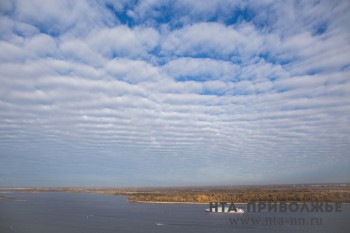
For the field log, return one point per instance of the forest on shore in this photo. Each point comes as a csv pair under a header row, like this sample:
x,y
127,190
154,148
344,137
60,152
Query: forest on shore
x,y
244,195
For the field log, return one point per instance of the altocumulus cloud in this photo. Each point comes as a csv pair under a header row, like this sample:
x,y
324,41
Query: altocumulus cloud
x,y
130,93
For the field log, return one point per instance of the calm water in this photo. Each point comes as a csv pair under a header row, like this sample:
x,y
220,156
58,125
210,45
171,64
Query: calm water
x,y
74,212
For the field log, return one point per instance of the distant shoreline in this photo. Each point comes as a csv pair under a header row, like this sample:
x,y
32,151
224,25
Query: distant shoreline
x,y
206,203
178,202
169,202
10,198
203,196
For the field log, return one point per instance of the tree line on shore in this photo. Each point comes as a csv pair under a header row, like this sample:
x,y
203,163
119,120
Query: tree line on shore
x,y
245,196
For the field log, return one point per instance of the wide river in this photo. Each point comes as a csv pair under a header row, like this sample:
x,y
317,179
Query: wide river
x,y
56,212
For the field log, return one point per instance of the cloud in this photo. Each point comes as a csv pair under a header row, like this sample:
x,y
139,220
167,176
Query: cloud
x,y
133,71
150,95
79,50
35,45
122,41
201,69
212,39
48,17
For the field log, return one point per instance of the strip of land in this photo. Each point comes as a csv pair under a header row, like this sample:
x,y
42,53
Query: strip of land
x,y
235,194
2,197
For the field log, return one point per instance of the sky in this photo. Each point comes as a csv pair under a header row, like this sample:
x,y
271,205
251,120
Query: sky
x,y
174,93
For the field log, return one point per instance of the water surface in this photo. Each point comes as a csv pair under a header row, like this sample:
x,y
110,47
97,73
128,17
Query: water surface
x,y
58,212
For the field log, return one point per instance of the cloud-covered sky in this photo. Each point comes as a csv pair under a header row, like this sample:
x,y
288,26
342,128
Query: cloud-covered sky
x,y
168,93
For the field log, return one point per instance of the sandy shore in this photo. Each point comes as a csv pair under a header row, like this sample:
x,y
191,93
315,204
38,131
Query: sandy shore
x,y
174,202
207,203
10,198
